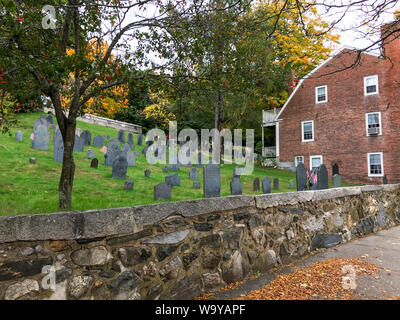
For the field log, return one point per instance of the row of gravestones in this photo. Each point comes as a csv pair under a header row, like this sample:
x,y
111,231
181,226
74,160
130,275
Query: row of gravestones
x,y
304,184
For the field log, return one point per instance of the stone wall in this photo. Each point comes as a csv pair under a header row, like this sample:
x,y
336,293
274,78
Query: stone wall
x,y
178,250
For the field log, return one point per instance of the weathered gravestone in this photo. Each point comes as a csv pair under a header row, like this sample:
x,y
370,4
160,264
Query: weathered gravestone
x,y
291,184
236,186
147,173
193,174
211,181
86,137
18,136
98,141
41,138
256,184
162,191
128,185
42,121
301,177
266,185
335,169
78,146
121,136
113,152
196,185
90,154
119,167
140,139
126,148
322,182
131,158
58,144
130,140
94,163
173,180
50,119
337,181
276,184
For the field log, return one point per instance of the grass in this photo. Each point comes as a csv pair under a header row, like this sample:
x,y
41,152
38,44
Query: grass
x,y
33,188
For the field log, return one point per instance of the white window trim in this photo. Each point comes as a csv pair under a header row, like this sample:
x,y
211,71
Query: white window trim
x,y
326,94
302,131
312,157
366,123
365,85
369,168
295,160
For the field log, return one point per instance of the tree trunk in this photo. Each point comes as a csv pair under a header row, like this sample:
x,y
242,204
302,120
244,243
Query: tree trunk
x,y
218,120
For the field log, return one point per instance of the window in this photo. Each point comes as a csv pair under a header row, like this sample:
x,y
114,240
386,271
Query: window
x,y
307,130
297,160
373,121
375,164
321,94
315,162
370,85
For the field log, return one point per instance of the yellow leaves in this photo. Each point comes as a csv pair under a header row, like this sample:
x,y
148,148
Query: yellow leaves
x,y
159,111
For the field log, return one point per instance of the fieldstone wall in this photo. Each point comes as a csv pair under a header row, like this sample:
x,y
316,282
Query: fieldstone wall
x,y
178,250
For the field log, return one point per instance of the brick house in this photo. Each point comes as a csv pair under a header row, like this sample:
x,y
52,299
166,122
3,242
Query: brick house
x,y
346,116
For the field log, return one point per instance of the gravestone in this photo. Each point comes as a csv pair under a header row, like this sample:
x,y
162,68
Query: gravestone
x,y
130,140
384,179
174,167
126,148
266,185
78,146
236,186
86,136
162,191
90,154
119,167
58,146
131,158
121,136
113,152
196,185
98,141
337,181
50,119
212,181
335,169
94,163
193,174
165,169
199,163
41,138
301,177
291,184
322,182
128,185
42,121
18,136
147,173
140,139
276,184
256,184
173,180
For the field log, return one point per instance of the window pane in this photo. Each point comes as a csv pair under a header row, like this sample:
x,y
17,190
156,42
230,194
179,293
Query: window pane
x,y
315,162
373,119
375,159
321,94
371,81
321,91
375,163
371,89
307,130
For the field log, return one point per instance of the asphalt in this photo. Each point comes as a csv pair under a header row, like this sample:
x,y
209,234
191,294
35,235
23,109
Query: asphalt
x,y
382,249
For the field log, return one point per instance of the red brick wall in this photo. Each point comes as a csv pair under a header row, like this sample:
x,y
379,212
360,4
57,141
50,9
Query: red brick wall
x,y
339,124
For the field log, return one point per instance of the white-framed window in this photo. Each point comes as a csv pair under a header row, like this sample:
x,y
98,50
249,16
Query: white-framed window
x,y
315,161
321,94
375,164
307,131
373,123
371,85
297,160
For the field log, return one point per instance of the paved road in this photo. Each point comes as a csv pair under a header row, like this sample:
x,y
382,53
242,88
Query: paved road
x,y
381,249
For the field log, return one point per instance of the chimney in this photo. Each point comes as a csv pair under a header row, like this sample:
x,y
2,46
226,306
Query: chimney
x,y
390,37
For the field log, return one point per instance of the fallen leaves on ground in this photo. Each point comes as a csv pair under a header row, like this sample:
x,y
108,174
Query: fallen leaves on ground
x,y
204,296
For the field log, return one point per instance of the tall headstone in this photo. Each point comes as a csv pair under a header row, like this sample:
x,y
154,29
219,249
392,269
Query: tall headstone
x,y
113,152
322,182
119,167
256,184
121,136
130,140
337,181
18,136
335,169
94,163
173,180
236,186
58,146
41,138
86,136
162,191
301,177
193,174
140,139
147,173
266,185
276,184
78,146
212,181
98,141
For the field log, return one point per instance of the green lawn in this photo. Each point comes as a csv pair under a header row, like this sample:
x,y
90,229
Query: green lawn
x,y
33,188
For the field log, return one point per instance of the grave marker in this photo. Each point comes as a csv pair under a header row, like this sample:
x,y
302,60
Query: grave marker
x,y
212,181
162,191
301,177
119,167
41,138
266,185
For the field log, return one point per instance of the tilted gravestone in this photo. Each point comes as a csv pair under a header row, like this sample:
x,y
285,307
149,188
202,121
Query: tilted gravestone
x,y
58,146
94,163
78,146
147,173
256,184
196,185
301,177
236,186
18,136
90,154
50,119
322,181
335,169
128,185
193,174
276,184
121,136
86,136
291,184
266,185
119,167
337,181
41,138
140,139
162,191
131,158
173,180
98,141
165,169
113,152
212,181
